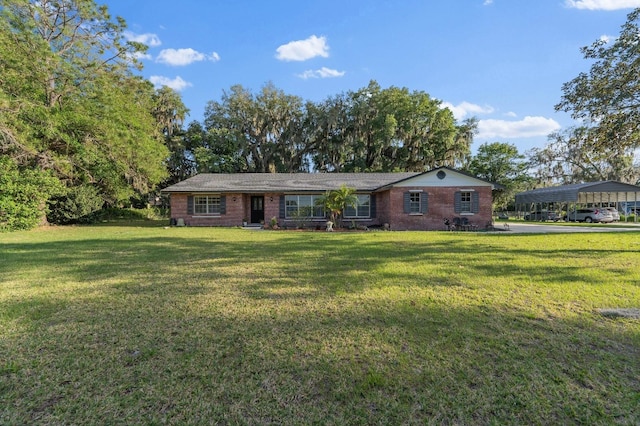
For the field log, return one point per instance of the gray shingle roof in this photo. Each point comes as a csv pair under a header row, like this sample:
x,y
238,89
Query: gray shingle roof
x,y
286,182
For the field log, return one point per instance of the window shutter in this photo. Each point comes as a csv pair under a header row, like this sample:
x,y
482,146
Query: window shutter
x,y
223,204
424,202
407,202
281,212
190,204
475,202
372,205
457,202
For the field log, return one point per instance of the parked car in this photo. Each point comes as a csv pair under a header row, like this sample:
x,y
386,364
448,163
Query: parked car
x,y
590,214
542,215
614,213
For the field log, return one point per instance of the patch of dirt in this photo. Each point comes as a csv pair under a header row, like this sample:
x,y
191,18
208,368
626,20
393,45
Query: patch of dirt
x,y
620,313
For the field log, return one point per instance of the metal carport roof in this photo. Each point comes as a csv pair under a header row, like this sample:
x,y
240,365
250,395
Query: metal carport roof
x,y
591,192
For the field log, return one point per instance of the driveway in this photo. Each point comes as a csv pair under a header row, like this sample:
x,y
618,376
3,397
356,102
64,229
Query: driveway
x,y
543,228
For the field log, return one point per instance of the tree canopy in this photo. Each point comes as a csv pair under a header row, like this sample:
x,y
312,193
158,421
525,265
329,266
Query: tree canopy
x,y
371,129
69,101
607,98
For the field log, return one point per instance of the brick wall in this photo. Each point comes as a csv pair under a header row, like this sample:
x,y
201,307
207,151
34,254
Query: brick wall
x,y
441,205
233,217
389,206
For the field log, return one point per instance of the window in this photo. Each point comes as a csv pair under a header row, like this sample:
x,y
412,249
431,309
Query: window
x,y
465,202
362,208
416,202
206,204
302,206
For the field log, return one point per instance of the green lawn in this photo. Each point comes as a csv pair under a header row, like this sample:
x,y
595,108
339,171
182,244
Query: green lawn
x,y
146,325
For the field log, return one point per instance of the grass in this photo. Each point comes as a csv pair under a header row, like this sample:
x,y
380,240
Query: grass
x,y
146,325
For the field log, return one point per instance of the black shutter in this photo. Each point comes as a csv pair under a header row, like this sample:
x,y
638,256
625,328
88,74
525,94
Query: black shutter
x,y
475,202
407,202
372,205
190,204
282,209
223,204
457,202
424,202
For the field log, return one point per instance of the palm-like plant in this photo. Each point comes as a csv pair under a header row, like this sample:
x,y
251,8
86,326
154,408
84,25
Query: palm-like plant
x,y
336,200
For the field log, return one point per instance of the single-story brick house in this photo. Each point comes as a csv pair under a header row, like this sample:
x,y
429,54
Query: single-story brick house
x,y
405,201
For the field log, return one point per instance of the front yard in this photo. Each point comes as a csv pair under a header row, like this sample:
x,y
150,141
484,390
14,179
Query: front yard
x,y
129,325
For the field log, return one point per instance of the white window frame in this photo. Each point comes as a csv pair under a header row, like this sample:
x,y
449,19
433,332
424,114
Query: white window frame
x,y
466,201
415,202
207,205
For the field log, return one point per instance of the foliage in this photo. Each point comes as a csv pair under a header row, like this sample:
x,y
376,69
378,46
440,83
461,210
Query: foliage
x,y
501,163
69,100
134,325
372,129
573,156
75,206
336,200
23,193
302,216
606,98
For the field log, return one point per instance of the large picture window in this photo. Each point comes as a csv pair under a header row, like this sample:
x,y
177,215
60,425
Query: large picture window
x,y
206,204
297,206
362,208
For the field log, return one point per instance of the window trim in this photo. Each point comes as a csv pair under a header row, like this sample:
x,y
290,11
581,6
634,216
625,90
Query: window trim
x,y
208,205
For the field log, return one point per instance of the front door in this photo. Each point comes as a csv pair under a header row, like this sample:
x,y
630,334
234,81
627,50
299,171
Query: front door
x,y
257,209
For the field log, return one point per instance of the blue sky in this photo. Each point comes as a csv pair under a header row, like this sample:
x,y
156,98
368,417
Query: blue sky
x,y
502,61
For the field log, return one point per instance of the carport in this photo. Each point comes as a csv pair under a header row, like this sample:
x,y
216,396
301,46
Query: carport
x,y
609,193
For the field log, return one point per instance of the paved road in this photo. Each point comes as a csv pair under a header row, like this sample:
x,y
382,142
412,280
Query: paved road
x,y
543,228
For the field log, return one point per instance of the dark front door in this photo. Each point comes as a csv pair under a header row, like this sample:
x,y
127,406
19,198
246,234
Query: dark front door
x,y
257,209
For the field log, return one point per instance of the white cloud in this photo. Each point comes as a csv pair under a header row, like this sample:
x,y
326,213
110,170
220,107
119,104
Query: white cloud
x,y
602,4
140,56
511,114
487,2
525,128
323,72
607,38
301,50
181,57
176,84
148,38
463,109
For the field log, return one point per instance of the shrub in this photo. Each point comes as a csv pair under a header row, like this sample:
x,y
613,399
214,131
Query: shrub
x,y
76,206
23,195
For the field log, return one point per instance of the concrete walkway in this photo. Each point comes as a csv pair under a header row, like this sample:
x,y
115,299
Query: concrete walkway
x,y
543,228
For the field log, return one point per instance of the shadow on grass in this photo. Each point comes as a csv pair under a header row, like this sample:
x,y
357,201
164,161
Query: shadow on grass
x,y
406,361
234,327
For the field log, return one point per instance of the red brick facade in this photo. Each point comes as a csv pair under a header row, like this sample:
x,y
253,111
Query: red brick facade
x,y
389,209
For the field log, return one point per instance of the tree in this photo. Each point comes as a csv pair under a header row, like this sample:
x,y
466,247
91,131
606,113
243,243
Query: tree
x,y
266,128
70,102
501,163
607,99
170,112
336,200
375,129
573,157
